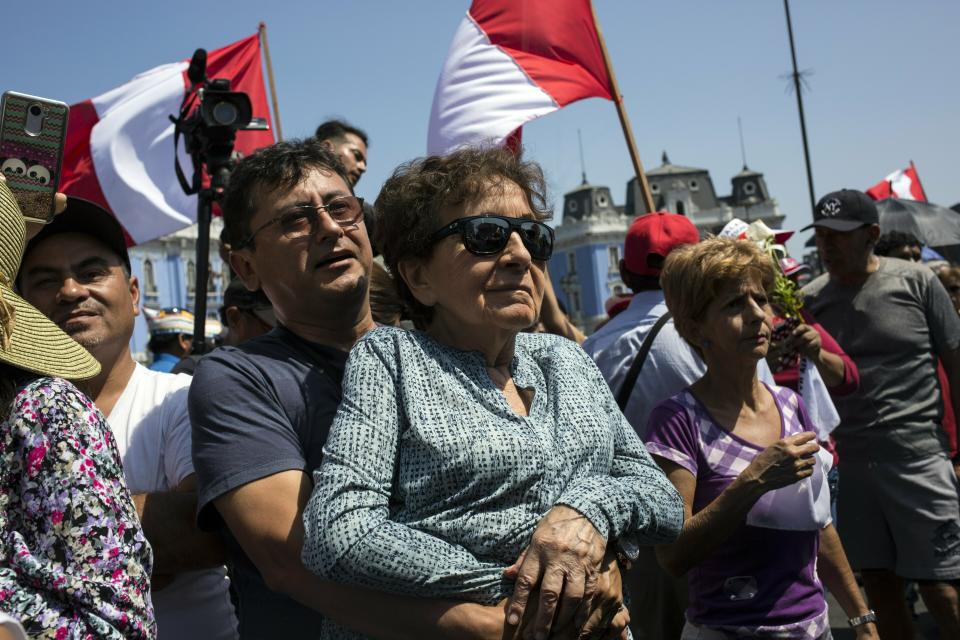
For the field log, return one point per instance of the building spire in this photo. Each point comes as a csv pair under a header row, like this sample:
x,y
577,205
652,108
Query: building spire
x,y
743,152
583,165
665,157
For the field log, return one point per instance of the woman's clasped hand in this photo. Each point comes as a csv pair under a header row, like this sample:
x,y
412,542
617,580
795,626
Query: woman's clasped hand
x,y
569,580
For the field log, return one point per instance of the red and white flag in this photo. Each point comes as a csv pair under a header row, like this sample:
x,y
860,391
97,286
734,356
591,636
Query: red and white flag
x,y
903,184
119,149
512,61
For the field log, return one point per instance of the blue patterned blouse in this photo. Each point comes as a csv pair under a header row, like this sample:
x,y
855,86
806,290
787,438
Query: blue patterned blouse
x,y
431,484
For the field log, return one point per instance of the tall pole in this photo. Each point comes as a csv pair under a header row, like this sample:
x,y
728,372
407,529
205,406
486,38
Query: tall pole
x,y
624,121
262,30
743,149
583,166
803,124
919,184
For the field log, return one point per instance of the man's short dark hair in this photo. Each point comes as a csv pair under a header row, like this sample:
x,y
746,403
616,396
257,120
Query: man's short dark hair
x,y
894,239
164,343
280,166
338,130
638,283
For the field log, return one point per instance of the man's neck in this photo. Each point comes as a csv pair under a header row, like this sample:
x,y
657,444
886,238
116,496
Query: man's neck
x,y
339,335
857,277
115,373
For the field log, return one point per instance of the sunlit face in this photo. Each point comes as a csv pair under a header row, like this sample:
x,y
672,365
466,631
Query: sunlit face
x,y
80,284
308,275
352,152
469,292
738,323
844,253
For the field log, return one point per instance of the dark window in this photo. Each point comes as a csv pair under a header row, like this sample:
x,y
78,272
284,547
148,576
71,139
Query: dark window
x,y
149,283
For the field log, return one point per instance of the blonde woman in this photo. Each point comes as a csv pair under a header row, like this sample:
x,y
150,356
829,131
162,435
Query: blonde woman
x,y
757,538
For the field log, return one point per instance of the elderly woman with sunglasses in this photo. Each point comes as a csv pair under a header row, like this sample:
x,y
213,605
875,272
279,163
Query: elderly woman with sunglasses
x,y
471,460
757,539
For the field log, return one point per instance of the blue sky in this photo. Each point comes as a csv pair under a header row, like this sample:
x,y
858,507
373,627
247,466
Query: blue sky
x,y
884,86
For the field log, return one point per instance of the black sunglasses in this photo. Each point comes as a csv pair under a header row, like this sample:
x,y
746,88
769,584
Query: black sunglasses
x,y
489,234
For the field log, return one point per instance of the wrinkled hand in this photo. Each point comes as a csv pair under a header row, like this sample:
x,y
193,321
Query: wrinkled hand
x,y
608,618
784,462
563,560
806,340
867,632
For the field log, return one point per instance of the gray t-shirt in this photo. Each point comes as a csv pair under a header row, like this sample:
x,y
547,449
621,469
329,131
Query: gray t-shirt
x,y
894,326
259,409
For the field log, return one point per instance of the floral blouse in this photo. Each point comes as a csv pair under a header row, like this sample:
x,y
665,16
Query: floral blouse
x,y
74,563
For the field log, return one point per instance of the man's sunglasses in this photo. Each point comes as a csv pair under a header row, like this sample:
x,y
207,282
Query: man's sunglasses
x,y
487,235
304,220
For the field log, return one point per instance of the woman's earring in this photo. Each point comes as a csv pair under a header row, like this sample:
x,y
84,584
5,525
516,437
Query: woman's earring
x,y
705,343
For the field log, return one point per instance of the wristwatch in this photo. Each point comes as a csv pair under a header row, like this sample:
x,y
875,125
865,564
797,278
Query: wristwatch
x,y
869,616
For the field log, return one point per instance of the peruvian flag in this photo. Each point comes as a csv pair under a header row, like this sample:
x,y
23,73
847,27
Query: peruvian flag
x,y
512,61
119,148
903,184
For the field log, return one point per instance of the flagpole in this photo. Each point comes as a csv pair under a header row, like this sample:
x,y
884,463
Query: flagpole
x,y
803,122
919,184
624,121
262,30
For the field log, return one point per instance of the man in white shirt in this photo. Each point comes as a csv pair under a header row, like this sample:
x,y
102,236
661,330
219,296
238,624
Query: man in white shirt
x,y
77,271
671,364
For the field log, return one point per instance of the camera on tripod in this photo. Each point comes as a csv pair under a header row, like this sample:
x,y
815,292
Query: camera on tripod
x,y
210,116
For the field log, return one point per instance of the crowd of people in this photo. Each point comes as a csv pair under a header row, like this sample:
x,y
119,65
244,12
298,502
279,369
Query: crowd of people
x,y
404,435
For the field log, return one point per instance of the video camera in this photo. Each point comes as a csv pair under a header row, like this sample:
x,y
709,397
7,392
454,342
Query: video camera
x,y
209,128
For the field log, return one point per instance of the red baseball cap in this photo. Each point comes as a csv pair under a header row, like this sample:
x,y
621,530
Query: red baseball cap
x,y
656,234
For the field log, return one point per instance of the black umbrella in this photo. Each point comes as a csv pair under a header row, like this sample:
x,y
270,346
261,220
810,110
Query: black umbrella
x,y
933,225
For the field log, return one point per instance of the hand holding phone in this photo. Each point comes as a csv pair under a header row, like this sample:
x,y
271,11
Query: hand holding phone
x,y
34,227
32,136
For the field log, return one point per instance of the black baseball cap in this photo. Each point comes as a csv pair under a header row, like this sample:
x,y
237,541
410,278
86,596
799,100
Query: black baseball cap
x,y
844,210
83,216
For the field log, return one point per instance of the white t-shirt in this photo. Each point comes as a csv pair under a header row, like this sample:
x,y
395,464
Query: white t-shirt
x,y
151,425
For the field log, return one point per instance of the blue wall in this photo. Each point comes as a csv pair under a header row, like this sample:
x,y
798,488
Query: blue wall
x,y
596,278
170,278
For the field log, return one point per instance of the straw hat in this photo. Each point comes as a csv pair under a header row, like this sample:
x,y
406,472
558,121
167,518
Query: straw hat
x,y
29,340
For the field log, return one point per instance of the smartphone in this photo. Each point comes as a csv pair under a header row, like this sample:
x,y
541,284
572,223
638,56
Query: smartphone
x,y
33,132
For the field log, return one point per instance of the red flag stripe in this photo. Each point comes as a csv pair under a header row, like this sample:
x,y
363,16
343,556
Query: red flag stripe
x,y
510,62
119,150
570,67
